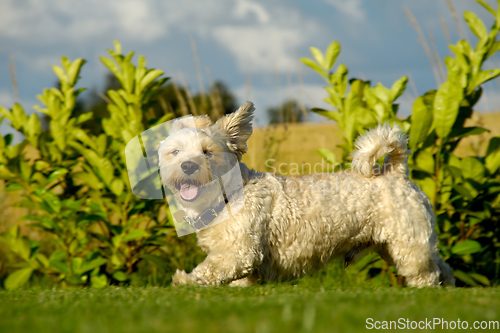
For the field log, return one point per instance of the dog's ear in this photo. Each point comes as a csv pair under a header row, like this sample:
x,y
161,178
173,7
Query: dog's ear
x,y
238,128
190,122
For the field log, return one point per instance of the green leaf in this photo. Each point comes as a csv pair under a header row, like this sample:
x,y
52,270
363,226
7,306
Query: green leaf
x,y
425,161
33,129
6,113
333,115
488,7
60,73
58,133
80,135
464,277
156,260
111,65
339,80
463,132
19,117
120,276
463,191
18,278
117,186
332,53
428,185
398,88
328,155
313,65
446,105
484,76
5,173
52,200
150,77
74,70
44,221
25,169
493,49
128,75
89,179
57,173
480,278
98,281
90,265
466,247
84,117
476,25
13,187
62,267
421,121
318,55
134,234
492,159
473,168
454,171
118,47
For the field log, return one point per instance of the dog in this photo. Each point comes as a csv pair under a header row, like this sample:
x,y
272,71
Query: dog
x,y
288,227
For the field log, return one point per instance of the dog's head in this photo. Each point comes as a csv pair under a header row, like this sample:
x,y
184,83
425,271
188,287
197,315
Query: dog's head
x,y
196,154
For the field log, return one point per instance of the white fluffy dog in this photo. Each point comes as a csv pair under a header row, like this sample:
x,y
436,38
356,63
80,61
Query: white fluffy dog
x,y
291,226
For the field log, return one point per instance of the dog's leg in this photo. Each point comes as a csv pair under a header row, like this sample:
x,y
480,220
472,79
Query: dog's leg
x,y
247,281
446,272
215,270
416,262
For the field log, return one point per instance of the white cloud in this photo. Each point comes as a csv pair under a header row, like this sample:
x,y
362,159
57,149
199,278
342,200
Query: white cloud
x,y
256,33
260,49
6,99
245,7
44,21
311,95
266,45
351,8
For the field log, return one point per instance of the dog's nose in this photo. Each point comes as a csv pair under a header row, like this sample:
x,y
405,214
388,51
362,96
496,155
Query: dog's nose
x,y
189,167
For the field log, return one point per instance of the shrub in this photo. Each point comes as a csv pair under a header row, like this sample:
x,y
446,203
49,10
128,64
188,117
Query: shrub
x,y
465,192
76,186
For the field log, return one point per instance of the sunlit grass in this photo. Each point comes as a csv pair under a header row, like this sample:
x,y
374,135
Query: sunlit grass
x,y
267,308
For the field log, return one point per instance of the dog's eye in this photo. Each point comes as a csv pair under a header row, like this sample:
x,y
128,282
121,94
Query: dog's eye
x,y
207,153
175,152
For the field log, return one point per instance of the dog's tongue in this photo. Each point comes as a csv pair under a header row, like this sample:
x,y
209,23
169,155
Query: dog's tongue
x,y
189,191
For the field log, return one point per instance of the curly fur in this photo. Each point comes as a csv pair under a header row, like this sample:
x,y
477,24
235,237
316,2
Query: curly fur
x,y
291,226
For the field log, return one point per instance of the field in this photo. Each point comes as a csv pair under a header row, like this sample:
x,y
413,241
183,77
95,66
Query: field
x,y
298,143
267,308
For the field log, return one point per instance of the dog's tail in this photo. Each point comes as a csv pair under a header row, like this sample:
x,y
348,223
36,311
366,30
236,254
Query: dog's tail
x,y
377,142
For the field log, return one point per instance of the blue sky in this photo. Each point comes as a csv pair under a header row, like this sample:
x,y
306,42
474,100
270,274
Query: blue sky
x,y
238,41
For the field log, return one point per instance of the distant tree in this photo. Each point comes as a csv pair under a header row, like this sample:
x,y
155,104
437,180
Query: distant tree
x,y
216,102
229,103
290,111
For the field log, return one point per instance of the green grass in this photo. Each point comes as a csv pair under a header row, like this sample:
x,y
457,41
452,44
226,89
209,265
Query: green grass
x,y
267,308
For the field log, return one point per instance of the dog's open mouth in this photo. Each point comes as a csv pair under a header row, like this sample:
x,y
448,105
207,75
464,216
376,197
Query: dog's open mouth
x,y
188,189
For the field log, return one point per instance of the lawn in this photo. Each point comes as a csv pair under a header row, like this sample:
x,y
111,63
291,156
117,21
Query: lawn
x,y
288,307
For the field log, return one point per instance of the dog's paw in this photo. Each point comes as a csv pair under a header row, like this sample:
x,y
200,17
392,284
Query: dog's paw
x,y
181,278
243,282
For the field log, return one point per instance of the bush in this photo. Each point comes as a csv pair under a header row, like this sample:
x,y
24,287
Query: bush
x,y
465,192
94,231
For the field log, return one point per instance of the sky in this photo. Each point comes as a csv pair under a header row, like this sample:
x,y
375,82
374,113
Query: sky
x,y
254,46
